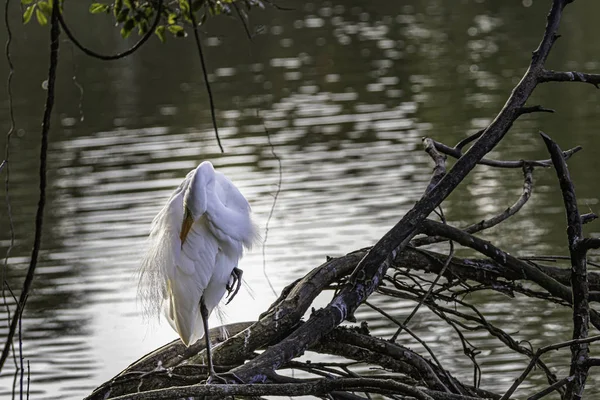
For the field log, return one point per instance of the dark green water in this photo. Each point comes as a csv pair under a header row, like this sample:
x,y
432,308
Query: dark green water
x,y
346,90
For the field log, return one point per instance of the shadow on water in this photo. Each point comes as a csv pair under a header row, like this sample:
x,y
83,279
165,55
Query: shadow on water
x,y
346,92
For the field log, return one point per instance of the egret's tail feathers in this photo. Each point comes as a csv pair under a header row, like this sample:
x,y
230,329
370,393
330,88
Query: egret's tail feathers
x,y
162,252
152,277
255,237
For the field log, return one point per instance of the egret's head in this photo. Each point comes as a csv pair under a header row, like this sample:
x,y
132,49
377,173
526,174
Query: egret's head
x,y
198,193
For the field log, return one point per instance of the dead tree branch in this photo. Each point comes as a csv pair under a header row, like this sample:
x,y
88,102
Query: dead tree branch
x,y
488,223
579,284
569,76
537,356
456,152
369,272
318,387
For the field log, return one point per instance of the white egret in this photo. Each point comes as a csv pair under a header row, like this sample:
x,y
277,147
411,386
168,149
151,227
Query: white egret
x,y
195,244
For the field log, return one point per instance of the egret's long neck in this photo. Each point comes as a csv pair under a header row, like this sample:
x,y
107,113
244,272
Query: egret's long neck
x,y
202,182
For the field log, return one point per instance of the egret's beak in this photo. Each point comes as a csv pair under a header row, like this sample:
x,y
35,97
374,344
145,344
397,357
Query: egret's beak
x,y
188,221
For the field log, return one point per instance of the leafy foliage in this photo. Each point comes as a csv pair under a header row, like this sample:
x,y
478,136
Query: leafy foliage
x,y
140,14
41,9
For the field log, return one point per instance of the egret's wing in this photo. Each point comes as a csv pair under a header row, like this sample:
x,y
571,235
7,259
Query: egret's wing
x,y
189,280
229,215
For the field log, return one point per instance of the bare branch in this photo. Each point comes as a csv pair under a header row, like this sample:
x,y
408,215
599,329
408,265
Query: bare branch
x,y
211,101
588,244
538,354
586,218
579,283
317,387
552,388
529,272
439,170
368,274
534,109
456,153
488,223
131,50
569,76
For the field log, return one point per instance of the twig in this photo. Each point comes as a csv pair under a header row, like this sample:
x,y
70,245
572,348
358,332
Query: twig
x,y
424,298
488,223
425,346
579,280
534,109
5,162
456,153
593,362
589,217
131,50
552,388
77,84
555,258
459,146
569,76
439,170
479,319
28,378
520,267
586,244
244,18
272,211
538,354
205,76
39,219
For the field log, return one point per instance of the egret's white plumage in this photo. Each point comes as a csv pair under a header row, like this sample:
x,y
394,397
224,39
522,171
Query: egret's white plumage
x,y
196,241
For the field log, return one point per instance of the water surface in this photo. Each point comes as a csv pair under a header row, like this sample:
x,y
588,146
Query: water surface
x,y
345,92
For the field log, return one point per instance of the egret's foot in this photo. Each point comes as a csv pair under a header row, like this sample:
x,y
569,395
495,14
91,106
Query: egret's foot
x,y
236,282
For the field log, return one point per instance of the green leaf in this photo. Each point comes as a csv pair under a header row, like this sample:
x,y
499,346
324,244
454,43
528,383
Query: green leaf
x,y
176,30
45,7
148,11
117,7
127,28
142,28
160,32
97,8
172,19
28,14
41,18
184,6
122,16
25,2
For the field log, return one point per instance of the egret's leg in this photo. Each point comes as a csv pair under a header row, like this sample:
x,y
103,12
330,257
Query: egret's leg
x,y
234,288
212,375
